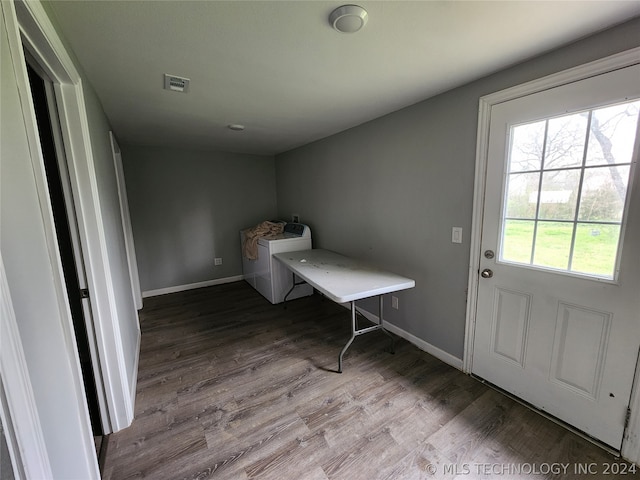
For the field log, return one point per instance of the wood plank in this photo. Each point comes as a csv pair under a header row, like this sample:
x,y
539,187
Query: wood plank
x,y
232,387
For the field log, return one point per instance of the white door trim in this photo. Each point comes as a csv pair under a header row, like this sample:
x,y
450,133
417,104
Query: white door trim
x,y
38,35
631,444
87,455
130,249
126,222
19,412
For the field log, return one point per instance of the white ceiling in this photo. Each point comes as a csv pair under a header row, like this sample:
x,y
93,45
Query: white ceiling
x,y
281,70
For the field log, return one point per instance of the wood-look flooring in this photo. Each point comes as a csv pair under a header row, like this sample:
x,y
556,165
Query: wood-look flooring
x,y
232,387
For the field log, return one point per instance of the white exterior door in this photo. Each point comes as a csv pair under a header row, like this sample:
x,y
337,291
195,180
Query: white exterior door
x,y
558,308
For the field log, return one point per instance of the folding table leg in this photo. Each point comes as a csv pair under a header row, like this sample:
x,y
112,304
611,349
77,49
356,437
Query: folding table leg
x,y
353,335
381,315
294,285
355,332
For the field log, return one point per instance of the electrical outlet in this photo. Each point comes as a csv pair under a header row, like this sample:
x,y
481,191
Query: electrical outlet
x,y
295,218
217,261
394,302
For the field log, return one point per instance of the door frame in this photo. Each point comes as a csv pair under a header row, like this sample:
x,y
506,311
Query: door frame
x,y
631,442
30,28
126,222
76,244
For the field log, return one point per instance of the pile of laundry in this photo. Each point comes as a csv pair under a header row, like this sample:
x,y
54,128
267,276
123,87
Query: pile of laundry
x,y
251,236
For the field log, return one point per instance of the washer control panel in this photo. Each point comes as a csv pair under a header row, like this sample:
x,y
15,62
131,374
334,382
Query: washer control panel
x,y
297,229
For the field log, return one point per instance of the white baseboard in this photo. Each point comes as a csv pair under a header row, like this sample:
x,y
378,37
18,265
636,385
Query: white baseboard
x,y
136,363
418,342
191,286
425,346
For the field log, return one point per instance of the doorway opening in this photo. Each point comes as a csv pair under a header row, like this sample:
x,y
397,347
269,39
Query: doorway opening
x,y
70,254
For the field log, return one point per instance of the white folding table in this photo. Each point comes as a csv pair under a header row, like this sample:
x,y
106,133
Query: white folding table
x,y
343,279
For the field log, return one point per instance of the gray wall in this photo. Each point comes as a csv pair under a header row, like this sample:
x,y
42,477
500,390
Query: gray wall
x,y
188,207
391,189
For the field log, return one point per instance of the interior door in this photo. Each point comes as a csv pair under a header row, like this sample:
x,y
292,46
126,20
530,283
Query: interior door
x,y
557,320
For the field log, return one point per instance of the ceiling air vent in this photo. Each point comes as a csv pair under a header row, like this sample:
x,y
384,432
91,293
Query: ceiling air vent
x,y
176,84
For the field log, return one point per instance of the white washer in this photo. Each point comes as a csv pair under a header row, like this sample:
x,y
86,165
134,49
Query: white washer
x,y
267,275
251,268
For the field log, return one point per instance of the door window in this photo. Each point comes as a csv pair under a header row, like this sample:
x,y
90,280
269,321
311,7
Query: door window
x,y
566,189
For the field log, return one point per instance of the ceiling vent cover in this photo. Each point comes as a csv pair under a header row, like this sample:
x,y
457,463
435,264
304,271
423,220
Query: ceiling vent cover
x,y
176,84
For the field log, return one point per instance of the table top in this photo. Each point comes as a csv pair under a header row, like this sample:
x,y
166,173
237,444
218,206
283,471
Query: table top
x,y
341,278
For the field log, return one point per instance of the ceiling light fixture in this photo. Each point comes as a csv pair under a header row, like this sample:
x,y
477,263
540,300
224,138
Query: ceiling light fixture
x,y
236,127
348,18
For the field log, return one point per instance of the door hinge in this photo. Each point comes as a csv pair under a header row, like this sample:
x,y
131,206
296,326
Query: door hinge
x,y
84,293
